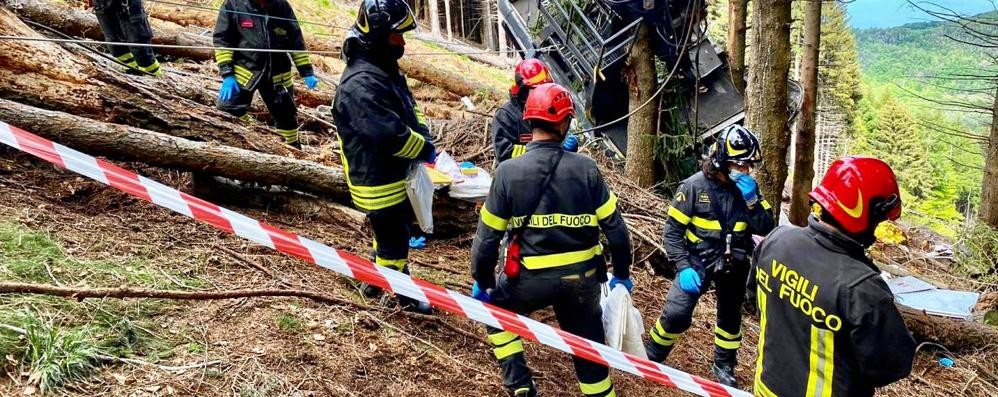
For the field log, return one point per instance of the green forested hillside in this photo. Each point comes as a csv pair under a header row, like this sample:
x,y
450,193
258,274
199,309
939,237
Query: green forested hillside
x,y
921,109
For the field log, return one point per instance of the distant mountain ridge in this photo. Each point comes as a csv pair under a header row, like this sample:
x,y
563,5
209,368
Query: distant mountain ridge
x,y
917,49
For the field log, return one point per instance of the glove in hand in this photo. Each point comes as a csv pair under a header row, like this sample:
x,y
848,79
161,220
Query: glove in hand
x,y
431,157
689,281
571,143
311,82
229,88
480,294
626,283
749,188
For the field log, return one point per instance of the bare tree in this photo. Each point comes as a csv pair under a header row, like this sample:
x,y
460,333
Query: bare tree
x,y
804,150
766,94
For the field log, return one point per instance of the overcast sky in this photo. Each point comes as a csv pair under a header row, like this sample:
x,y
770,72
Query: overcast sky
x,y
888,13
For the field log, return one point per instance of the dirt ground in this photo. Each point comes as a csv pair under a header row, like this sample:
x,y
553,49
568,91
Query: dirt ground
x,y
349,350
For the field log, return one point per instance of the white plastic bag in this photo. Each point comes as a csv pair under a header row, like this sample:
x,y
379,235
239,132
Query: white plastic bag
x,y
622,321
472,187
419,188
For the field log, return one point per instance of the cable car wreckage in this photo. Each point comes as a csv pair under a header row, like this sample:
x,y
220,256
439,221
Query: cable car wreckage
x,y
585,43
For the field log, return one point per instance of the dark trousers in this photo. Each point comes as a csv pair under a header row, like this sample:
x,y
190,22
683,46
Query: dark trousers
x,y
126,21
574,294
280,102
677,316
391,235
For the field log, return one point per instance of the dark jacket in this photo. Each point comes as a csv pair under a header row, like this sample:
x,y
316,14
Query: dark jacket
x,y
381,132
693,234
237,28
828,323
510,133
565,228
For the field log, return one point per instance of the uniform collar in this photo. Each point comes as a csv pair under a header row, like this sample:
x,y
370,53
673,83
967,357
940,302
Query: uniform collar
x,y
835,240
544,145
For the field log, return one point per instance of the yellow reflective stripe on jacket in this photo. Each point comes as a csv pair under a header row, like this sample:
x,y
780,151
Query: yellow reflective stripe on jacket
x,y
821,363
600,387
766,205
692,237
512,348
300,58
379,203
223,56
493,221
760,388
708,224
678,215
420,116
413,145
562,259
374,191
556,220
608,208
518,150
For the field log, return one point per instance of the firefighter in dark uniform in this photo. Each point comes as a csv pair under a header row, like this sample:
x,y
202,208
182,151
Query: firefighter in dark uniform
x,y
708,235
125,21
382,132
554,204
510,132
827,321
248,24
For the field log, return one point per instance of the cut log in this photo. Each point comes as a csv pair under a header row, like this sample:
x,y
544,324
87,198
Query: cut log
x,y
82,23
421,69
161,150
953,333
48,76
452,217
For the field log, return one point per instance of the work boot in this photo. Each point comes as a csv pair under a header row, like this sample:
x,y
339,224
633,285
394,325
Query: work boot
x,y
656,352
411,305
295,144
529,391
370,291
725,374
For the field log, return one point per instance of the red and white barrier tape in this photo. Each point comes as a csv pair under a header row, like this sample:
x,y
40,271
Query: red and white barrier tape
x,y
351,265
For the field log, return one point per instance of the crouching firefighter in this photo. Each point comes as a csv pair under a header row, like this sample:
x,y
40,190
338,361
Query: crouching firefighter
x,y
708,235
510,132
553,203
125,21
828,325
381,131
261,24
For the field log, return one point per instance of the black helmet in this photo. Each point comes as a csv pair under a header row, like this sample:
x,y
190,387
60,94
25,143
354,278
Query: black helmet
x,y
377,18
735,143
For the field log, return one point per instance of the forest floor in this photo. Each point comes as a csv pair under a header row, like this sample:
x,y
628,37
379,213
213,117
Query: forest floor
x,y
58,228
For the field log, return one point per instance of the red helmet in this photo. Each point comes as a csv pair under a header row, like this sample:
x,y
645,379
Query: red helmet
x,y
529,73
858,191
549,102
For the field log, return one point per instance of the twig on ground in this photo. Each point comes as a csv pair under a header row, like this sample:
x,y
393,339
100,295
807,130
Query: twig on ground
x,y
162,367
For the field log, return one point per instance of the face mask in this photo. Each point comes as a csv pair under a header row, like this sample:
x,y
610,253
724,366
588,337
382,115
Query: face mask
x,y
734,174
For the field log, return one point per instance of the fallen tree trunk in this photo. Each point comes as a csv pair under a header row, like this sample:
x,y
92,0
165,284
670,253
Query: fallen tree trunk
x,y
79,23
161,150
955,334
416,69
451,216
48,76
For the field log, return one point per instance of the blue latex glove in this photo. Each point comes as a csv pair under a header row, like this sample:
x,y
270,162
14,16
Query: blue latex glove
x,y
749,187
479,293
571,143
689,281
626,283
417,242
229,88
432,157
311,82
